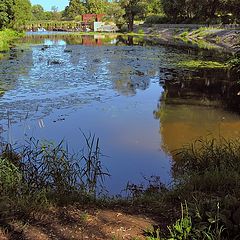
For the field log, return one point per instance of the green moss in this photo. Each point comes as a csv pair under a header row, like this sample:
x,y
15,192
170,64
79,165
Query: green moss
x,y
201,64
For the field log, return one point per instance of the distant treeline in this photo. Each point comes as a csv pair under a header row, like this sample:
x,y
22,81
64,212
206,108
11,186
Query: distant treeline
x,y
15,13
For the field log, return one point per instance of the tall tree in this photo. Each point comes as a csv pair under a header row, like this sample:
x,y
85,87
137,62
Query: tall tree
x,y
6,12
133,8
22,13
14,13
96,6
75,8
115,13
38,12
56,15
154,7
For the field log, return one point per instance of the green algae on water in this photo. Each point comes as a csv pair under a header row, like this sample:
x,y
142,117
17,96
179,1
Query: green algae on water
x,y
201,64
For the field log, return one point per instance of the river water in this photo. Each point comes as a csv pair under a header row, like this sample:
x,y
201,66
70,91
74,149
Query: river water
x,y
127,91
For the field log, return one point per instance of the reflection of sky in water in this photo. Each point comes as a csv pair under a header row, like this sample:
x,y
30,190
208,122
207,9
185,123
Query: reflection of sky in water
x,y
54,42
103,90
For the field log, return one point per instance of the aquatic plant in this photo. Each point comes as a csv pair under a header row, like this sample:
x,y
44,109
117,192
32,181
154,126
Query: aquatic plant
x,y
201,64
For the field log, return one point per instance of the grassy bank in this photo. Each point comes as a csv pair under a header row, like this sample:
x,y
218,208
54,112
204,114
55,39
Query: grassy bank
x,y
212,36
202,203
206,186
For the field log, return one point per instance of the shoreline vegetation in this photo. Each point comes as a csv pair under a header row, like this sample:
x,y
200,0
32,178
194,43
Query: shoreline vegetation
x,y
7,38
40,180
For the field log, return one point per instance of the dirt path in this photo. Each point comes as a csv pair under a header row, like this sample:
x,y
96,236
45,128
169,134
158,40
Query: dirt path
x,y
72,223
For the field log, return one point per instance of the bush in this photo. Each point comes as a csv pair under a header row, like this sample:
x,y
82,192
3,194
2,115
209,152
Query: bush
x,y
6,37
156,19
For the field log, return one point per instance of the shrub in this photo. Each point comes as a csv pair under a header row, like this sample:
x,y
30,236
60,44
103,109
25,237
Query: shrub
x,y
156,19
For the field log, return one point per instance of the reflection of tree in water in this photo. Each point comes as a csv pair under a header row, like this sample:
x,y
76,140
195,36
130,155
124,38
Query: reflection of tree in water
x,y
128,84
132,40
192,106
203,87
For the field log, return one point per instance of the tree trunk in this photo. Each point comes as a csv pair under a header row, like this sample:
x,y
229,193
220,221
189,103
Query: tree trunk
x,y
130,23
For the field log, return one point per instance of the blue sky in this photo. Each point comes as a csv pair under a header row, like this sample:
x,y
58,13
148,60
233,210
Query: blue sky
x,y
47,4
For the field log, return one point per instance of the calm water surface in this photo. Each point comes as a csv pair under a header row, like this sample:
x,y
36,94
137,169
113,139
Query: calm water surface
x,y
52,87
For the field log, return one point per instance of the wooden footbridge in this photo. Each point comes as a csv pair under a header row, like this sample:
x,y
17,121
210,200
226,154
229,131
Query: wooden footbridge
x,y
87,21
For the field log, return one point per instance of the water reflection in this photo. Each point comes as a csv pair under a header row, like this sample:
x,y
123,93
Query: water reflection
x,y
70,39
193,104
55,84
209,87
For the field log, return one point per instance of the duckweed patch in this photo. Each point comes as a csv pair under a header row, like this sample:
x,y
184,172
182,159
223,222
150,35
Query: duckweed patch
x,y
191,64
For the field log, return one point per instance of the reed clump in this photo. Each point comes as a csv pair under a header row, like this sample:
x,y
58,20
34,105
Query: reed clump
x,y
40,174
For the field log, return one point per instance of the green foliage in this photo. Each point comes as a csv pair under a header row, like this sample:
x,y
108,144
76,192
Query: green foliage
x,y
156,19
206,11
6,13
207,176
42,173
154,7
201,64
38,12
115,14
207,155
234,63
188,228
96,6
75,8
22,13
14,13
6,37
10,176
133,9
183,228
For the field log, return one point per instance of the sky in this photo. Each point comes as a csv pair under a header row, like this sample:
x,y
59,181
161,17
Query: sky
x,y
47,4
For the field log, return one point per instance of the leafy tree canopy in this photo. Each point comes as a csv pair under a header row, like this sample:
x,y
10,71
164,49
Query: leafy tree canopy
x,y
14,13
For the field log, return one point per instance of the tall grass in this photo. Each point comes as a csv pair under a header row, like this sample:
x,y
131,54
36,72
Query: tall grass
x,y
41,173
207,180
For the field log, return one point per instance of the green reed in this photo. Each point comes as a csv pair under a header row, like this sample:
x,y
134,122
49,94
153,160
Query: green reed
x,y
41,172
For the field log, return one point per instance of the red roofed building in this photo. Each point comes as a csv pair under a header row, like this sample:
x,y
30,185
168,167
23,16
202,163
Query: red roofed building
x,y
92,17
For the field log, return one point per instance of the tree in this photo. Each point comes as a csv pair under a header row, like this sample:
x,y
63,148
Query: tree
x,y
38,12
21,13
115,14
75,8
230,10
154,7
133,8
56,15
96,6
202,11
6,12
14,13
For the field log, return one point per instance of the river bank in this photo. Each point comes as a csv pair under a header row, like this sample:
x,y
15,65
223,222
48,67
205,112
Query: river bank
x,y
203,36
203,200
